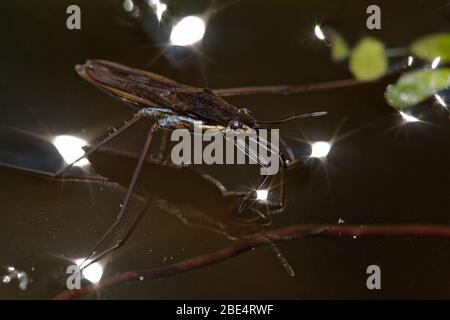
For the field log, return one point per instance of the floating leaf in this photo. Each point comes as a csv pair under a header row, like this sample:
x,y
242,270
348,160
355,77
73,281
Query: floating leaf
x,y
432,46
416,86
368,60
339,48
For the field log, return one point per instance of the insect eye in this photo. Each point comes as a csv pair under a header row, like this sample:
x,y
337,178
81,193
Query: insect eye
x,y
235,124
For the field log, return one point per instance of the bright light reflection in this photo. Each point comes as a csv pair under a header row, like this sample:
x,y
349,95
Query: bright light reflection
x,y
188,31
71,148
128,5
440,100
159,8
261,195
320,149
319,33
435,63
410,61
92,272
408,118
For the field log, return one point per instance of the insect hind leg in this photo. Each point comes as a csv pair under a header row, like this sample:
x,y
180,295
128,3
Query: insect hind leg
x,y
150,112
108,139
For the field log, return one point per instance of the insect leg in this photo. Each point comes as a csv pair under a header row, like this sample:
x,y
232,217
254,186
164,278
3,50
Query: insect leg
x,y
246,204
249,198
124,205
126,126
162,153
282,200
86,262
170,122
288,160
150,112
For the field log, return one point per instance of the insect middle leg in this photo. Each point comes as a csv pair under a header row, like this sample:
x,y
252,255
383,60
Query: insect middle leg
x,y
146,112
170,122
124,204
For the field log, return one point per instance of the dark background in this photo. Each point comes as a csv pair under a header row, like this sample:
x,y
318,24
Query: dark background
x,y
378,171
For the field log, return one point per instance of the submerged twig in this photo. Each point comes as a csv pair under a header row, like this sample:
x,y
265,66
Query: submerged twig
x,y
294,232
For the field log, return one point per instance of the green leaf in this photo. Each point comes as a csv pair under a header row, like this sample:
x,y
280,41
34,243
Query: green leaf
x,y
432,46
368,60
339,48
416,86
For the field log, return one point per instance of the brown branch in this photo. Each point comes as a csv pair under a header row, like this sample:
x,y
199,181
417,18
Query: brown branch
x,y
294,232
308,87
286,89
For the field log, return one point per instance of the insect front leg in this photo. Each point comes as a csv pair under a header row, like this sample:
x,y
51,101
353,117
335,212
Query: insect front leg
x,y
287,159
279,206
287,156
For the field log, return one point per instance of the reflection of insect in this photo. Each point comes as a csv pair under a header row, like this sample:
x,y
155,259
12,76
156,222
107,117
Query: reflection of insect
x,y
212,211
174,106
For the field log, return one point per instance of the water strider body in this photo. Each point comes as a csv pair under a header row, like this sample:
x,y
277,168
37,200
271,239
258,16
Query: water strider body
x,y
173,106
162,96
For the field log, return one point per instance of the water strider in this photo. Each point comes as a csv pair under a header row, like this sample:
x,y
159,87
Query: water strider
x,y
176,106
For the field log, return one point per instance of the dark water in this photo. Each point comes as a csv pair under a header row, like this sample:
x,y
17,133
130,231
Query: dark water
x,y
378,171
